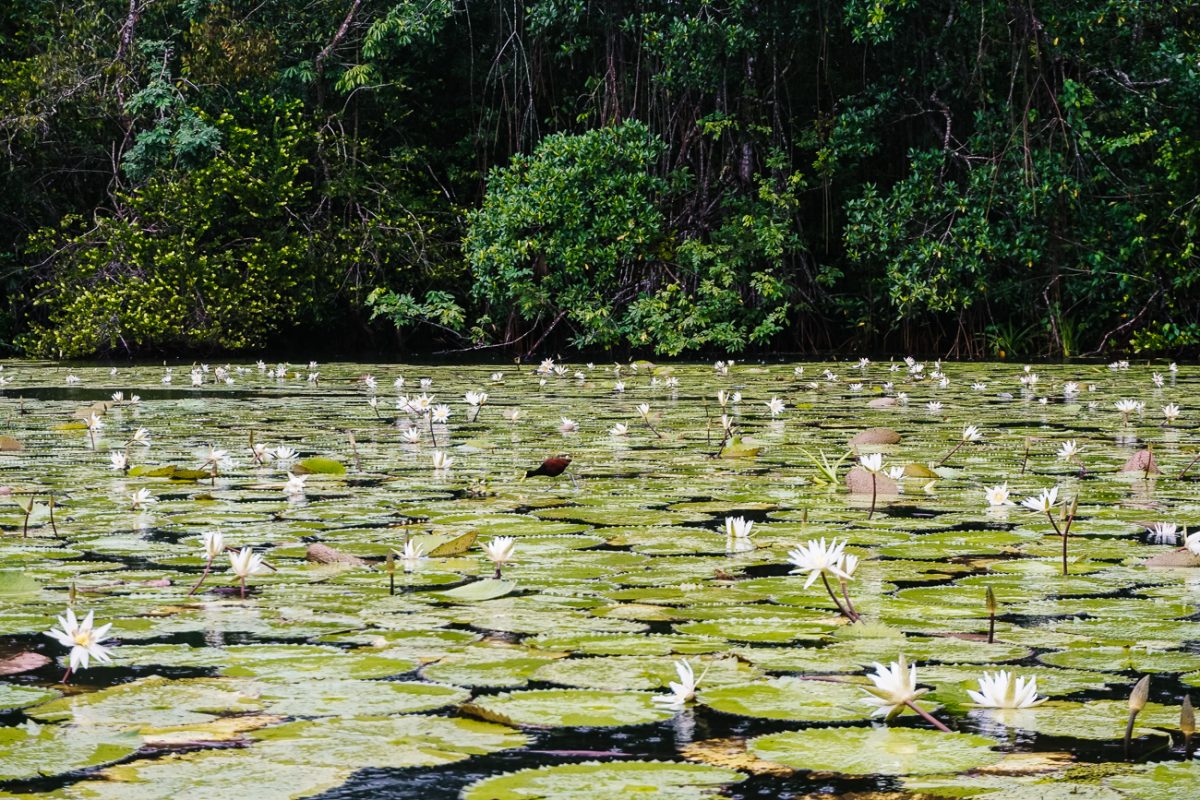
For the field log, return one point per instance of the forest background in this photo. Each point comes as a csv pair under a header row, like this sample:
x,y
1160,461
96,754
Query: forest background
x,y
971,178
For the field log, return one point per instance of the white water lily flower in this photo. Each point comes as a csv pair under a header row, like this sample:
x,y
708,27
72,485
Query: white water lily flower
x,y
682,691
141,498
738,527
871,462
411,435
934,406
118,397
644,410
441,461
94,423
1044,502
441,414
83,638
214,544
260,453
619,429
246,562
500,549
118,459
1004,689
856,387
817,558
476,398
1158,379
1192,543
284,453
895,687
619,387
412,555
568,425
215,458
1163,533
848,564
998,495
775,406
1170,412
895,473
971,433
979,386
1068,450
295,485
1127,407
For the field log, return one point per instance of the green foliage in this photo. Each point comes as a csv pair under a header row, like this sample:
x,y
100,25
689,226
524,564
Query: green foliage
x,y
982,176
211,257
438,308
575,229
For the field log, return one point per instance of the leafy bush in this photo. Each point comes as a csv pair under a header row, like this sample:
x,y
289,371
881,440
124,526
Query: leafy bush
x,y
212,257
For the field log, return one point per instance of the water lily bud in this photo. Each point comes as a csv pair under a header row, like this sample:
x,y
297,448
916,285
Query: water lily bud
x,y
1187,717
991,601
1139,695
391,562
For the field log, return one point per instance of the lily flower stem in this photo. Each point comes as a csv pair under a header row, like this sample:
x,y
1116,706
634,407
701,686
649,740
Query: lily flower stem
x,y
53,525
391,584
207,567
1062,535
952,452
497,575
1025,457
652,428
932,720
849,605
841,610
25,524
65,676
1129,729
243,588
874,493
1190,464
991,628
432,435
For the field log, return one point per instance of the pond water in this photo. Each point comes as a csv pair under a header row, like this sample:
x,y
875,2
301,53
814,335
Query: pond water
x,y
434,678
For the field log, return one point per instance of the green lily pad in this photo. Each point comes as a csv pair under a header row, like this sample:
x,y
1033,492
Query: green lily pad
x,y
153,702
632,779
876,750
790,699
572,707
348,698
403,741
32,750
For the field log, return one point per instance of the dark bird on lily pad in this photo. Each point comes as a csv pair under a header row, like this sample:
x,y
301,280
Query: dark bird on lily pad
x,y
552,467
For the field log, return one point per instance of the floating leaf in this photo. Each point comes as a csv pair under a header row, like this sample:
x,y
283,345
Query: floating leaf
x,y
633,779
572,707
877,750
318,465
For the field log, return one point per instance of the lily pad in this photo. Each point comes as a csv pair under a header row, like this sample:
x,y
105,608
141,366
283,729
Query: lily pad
x,y
877,750
632,779
571,707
